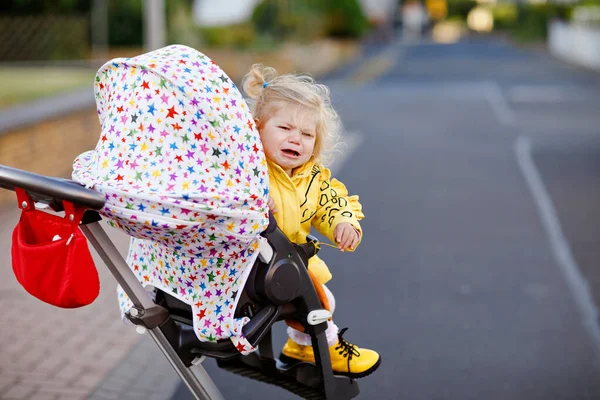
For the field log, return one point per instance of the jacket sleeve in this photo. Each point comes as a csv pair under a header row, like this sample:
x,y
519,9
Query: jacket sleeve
x,y
335,206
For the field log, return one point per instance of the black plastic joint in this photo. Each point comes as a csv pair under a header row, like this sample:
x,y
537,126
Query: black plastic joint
x,y
150,317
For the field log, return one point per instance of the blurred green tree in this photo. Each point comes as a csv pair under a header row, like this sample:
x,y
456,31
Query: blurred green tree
x,y
459,9
345,18
125,23
309,19
532,21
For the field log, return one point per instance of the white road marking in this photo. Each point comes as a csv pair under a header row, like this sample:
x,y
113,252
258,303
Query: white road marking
x,y
490,91
502,111
545,93
558,243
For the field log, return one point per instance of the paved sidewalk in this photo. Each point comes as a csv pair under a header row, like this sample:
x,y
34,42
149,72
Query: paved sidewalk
x,y
49,353
143,374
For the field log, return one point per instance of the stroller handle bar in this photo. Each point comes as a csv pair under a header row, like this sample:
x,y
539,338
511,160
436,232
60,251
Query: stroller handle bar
x,y
50,190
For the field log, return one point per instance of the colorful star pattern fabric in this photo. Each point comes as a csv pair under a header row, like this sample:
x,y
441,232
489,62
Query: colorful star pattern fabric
x,y
183,172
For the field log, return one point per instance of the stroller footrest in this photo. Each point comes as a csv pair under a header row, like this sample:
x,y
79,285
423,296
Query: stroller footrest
x,y
302,378
275,378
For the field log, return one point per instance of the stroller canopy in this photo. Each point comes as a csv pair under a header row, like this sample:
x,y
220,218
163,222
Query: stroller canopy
x,y
183,172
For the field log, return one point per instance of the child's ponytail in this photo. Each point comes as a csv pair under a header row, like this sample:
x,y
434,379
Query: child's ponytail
x,y
257,80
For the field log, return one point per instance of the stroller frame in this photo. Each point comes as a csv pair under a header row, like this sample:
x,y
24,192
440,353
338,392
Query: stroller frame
x,y
278,288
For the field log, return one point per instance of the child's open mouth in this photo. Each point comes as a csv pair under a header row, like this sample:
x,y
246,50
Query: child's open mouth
x,y
291,153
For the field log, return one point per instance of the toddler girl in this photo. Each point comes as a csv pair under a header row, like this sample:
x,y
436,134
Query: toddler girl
x,y
298,127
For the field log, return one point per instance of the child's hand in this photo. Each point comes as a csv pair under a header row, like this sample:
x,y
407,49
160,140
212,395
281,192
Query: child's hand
x,y
346,236
271,204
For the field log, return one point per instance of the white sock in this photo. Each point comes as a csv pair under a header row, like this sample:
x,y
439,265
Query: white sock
x,y
303,339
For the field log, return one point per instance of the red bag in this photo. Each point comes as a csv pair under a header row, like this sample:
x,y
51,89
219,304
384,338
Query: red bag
x,y
50,256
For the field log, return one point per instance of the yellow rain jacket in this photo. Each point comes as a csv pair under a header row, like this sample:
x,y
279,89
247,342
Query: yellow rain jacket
x,y
311,197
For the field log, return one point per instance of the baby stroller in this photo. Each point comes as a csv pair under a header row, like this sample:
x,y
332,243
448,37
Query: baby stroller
x,y
180,168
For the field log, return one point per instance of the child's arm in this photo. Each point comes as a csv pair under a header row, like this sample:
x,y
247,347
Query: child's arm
x,y
353,200
337,214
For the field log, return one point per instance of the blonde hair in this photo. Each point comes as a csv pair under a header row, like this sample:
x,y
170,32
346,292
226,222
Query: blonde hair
x,y
269,92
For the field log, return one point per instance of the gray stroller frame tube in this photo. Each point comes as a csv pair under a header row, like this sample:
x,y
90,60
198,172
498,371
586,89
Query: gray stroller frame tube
x,y
117,265
199,383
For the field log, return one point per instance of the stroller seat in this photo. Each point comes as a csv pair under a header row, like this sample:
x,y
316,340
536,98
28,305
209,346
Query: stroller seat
x,y
258,300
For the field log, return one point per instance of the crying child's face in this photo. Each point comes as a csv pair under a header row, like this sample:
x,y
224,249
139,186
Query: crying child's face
x,y
288,137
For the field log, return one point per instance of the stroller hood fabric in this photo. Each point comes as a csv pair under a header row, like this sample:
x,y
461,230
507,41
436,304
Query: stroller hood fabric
x,y
183,172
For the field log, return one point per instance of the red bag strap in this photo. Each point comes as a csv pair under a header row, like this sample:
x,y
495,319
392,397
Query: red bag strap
x,y
25,202
73,214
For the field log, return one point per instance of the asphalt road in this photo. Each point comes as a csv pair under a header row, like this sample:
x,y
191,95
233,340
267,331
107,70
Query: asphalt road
x,y
478,165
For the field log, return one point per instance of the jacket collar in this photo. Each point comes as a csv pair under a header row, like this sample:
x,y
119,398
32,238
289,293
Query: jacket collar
x,y
298,173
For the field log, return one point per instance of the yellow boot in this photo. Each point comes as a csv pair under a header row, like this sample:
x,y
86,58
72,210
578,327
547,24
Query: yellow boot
x,y
346,359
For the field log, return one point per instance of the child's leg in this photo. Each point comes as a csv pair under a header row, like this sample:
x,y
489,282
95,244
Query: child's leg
x,y
303,339
346,358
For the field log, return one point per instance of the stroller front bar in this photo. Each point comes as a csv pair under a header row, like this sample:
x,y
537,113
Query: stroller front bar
x,y
50,190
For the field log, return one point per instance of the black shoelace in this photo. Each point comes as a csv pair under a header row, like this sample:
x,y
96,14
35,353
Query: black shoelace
x,y
348,350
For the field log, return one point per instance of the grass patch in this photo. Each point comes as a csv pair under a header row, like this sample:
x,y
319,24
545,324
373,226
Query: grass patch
x,y
23,84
